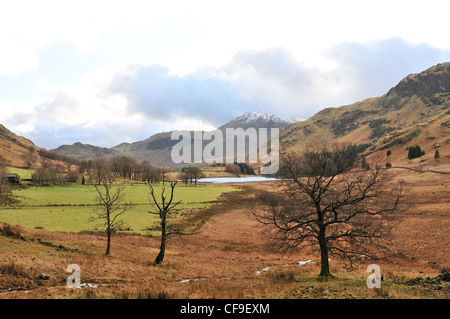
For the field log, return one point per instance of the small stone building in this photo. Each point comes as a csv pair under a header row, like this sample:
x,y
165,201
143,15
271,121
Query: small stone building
x,y
13,178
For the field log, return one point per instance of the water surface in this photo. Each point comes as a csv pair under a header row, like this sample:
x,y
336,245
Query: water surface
x,y
245,179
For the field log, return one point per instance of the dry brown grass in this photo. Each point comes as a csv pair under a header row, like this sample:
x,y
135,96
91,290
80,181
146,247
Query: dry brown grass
x,y
221,260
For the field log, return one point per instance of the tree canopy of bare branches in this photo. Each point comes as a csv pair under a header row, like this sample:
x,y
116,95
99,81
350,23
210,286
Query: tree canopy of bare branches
x,y
192,175
4,185
111,200
325,204
165,207
30,157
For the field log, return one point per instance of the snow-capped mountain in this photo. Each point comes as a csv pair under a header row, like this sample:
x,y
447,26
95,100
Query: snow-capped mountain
x,y
259,120
157,148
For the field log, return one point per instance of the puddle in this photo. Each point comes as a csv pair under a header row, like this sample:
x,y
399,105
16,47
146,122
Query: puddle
x,y
302,262
90,285
188,280
258,272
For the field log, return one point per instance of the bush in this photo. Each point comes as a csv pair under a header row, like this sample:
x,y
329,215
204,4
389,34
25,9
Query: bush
x,y
415,152
10,231
245,168
436,155
71,177
232,168
364,164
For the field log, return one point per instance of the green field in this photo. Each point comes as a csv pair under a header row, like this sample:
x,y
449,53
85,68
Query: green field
x,y
68,208
23,172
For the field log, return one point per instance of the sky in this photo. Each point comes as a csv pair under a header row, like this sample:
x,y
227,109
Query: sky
x,y
106,72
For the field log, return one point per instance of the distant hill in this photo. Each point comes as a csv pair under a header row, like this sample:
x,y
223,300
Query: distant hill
x,y
157,148
415,111
85,151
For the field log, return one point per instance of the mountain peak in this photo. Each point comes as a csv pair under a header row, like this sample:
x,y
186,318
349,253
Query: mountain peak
x,y
259,119
425,84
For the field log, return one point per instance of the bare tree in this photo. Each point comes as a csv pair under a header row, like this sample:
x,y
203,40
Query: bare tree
x,y
4,184
184,177
111,199
324,204
165,209
163,173
47,174
98,168
194,174
233,169
30,157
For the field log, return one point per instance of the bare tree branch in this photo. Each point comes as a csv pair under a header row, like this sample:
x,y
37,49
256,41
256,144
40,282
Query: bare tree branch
x,y
324,203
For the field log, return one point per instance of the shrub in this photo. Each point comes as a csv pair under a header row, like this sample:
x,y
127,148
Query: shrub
x,y
232,168
436,155
13,269
245,168
71,177
415,151
364,163
10,231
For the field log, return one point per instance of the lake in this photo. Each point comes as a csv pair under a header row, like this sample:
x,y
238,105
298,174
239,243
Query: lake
x,y
246,179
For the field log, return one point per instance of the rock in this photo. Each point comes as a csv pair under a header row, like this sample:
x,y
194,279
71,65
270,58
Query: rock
x,y
44,276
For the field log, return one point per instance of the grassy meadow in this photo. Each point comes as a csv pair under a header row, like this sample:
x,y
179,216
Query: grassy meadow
x,y
68,208
23,172
231,254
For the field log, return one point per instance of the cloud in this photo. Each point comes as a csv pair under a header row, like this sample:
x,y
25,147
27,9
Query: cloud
x,y
151,90
275,63
131,102
273,81
372,68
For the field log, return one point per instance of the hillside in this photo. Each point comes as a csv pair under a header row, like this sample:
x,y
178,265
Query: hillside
x,y
85,151
12,147
15,152
157,148
415,111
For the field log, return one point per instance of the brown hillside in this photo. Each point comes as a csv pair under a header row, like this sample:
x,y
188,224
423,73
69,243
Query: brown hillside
x,y
12,147
416,111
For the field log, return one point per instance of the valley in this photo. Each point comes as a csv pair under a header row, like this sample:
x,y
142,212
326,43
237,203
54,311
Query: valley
x,y
222,260
220,249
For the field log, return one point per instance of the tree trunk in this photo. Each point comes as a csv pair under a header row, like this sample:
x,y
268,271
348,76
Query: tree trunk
x,y
159,259
108,244
324,263
108,232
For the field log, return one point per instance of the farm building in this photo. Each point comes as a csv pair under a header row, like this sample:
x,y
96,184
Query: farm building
x,y
13,178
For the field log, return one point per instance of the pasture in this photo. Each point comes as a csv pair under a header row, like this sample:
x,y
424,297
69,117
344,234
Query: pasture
x,y
68,208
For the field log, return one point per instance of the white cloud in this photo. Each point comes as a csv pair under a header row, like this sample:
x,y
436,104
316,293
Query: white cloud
x,y
185,35
216,60
132,102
